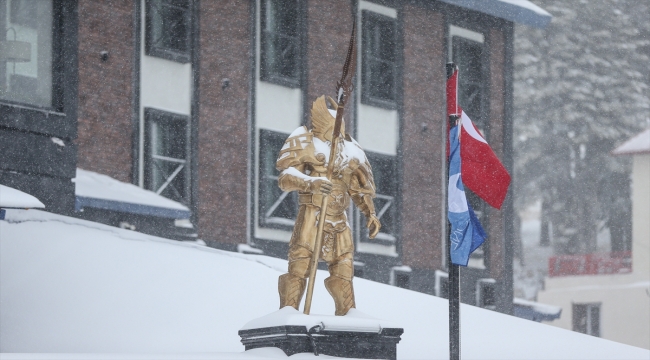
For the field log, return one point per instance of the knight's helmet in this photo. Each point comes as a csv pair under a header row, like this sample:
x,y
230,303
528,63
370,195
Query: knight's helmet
x,y
323,118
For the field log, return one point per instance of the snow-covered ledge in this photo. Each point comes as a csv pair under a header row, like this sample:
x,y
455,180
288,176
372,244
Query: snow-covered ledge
x,y
12,198
103,192
355,335
355,320
16,199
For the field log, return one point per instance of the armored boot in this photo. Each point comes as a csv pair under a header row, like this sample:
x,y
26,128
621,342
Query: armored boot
x,y
342,293
290,288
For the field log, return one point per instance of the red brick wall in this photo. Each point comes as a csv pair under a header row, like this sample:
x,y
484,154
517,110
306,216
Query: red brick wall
x,y
223,125
329,28
424,81
495,227
105,87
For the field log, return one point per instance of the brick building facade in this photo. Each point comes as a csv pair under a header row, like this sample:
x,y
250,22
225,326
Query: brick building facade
x,y
192,99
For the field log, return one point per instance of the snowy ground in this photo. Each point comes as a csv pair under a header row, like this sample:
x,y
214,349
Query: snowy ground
x,y
80,290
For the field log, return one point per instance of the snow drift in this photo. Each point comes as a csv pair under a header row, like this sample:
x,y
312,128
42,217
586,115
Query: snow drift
x,y
74,286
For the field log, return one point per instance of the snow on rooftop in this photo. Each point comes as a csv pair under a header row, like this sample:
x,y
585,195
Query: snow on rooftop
x,y
12,198
638,144
72,286
539,307
97,186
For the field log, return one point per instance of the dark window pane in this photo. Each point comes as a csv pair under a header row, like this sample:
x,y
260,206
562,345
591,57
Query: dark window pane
x,y
594,317
277,208
443,290
280,52
580,318
586,318
166,162
168,29
467,55
487,295
26,51
379,55
402,280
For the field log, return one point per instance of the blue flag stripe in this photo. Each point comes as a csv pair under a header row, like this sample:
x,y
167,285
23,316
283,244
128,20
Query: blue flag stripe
x,y
467,234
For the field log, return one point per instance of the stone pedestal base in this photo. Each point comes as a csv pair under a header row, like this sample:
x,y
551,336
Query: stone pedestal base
x,y
293,339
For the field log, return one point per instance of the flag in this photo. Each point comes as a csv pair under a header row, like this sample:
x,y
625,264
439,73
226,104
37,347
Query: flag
x,y
482,171
467,234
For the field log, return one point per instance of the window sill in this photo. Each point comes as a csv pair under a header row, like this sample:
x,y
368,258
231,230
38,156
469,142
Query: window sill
x,y
380,103
279,80
168,55
277,224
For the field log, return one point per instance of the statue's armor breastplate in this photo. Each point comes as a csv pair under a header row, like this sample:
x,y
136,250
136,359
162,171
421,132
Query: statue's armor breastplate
x,y
309,153
339,199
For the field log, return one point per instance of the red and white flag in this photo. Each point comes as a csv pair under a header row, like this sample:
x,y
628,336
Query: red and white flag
x,y
482,171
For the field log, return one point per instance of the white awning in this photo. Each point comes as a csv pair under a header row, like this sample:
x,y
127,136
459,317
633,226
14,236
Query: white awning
x,y
519,11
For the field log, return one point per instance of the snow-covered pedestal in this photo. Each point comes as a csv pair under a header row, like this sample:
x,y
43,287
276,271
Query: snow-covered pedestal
x,y
355,335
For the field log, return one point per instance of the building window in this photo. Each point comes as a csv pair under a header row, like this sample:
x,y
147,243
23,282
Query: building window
x,y
441,284
586,318
466,51
486,293
400,276
168,29
378,68
280,52
166,161
384,173
26,51
277,208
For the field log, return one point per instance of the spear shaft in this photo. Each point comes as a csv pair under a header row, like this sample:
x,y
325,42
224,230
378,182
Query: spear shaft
x,y
343,90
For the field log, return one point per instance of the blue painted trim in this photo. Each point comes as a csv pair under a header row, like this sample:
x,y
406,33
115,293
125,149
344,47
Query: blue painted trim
x,y
505,11
3,212
528,313
82,202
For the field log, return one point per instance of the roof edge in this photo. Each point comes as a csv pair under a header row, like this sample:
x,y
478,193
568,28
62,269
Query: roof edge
x,y
519,11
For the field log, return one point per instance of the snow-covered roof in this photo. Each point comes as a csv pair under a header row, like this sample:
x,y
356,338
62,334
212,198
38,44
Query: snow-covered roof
x,y
519,11
535,311
73,286
12,198
103,192
638,144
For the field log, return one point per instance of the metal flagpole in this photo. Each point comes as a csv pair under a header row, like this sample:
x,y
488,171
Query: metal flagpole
x,y
453,281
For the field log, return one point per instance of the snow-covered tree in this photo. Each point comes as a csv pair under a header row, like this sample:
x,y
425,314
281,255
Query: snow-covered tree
x,y
581,88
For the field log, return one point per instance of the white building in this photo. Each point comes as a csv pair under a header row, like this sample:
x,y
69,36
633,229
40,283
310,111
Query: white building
x,y
614,305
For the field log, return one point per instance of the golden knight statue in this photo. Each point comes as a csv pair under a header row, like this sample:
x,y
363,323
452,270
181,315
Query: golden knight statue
x,y
302,163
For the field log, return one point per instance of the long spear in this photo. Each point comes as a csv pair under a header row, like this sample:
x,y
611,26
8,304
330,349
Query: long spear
x,y
343,91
